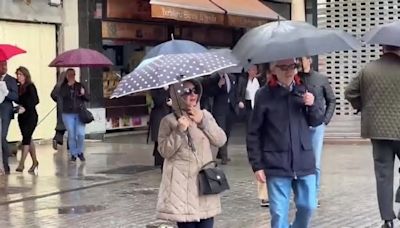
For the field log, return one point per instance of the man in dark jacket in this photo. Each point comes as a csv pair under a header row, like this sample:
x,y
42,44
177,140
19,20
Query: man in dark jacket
x,y
325,99
279,144
6,111
222,87
375,92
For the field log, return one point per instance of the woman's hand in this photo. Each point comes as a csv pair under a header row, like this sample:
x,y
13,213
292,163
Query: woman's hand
x,y
196,115
169,102
183,123
21,110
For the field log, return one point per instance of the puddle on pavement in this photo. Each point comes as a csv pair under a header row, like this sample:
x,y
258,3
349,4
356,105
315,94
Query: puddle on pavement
x,y
92,178
9,190
132,169
82,209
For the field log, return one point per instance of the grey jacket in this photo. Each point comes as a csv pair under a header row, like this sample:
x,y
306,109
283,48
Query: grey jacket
x,y
318,84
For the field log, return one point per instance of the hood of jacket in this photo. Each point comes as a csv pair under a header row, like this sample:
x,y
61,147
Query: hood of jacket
x,y
176,91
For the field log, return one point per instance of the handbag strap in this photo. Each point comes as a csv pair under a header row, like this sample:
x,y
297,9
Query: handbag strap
x,y
208,163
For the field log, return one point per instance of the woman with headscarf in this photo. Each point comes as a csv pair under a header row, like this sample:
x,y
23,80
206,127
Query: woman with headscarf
x,y
179,198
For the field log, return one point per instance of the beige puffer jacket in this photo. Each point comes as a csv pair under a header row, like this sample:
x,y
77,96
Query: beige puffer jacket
x,y
179,199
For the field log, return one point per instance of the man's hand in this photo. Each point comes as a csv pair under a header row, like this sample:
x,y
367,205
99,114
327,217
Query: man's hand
x,y
260,176
241,105
82,92
308,99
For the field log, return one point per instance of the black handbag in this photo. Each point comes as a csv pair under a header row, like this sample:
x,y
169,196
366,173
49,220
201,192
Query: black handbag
x,y
85,116
212,180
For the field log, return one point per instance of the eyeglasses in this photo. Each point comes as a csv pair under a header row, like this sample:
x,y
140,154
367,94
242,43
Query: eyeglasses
x,y
287,67
190,91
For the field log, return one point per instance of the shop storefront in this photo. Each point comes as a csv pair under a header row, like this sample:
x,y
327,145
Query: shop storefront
x,y
126,30
129,30
42,31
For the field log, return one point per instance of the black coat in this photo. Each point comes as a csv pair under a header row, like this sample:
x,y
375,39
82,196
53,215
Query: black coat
x,y
279,139
6,108
221,96
323,92
159,110
55,95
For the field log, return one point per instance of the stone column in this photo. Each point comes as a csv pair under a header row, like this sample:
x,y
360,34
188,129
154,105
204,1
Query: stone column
x,y
298,10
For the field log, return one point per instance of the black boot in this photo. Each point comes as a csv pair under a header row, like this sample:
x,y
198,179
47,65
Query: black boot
x,y
388,224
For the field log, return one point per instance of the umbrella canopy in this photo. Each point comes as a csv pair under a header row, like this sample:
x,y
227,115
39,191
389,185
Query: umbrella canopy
x,y
175,47
81,57
7,51
387,34
169,69
290,39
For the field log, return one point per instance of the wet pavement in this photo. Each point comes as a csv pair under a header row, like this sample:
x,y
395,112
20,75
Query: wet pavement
x,y
117,187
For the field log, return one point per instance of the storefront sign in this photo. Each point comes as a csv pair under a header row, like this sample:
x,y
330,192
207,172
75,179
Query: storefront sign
x,y
180,14
134,31
245,22
131,9
211,36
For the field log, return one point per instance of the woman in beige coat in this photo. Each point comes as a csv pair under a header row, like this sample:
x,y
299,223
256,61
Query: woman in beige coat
x,y
179,198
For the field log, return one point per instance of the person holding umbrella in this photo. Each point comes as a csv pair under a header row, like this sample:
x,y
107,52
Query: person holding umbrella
x,y
73,96
179,197
279,144
375,93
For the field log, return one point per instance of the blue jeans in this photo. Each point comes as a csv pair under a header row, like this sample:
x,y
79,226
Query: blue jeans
x,y
76,133
279,195
317,134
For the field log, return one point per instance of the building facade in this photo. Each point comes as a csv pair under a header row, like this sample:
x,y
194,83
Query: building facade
x,y
355,17
126,30
42,30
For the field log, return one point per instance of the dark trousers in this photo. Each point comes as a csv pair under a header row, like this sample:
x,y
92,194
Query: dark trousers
x,y
225,121
5,124
158,159
204,223
384,152
59,137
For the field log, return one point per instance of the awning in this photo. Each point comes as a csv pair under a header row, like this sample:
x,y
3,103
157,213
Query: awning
x,y
198,11
248,13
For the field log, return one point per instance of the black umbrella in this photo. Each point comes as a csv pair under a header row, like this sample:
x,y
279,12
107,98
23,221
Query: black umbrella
x,y
290,39
387,34
165,70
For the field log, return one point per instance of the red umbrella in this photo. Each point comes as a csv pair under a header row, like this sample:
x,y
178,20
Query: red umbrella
x,y
7,51
81,57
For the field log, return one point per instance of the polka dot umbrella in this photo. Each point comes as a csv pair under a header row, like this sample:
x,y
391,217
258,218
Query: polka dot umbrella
x,y
169,69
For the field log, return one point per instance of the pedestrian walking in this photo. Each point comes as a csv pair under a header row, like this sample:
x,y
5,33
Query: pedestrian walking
x,y
27,117
325,99
3,94
73,96
161,108
248,86
222,87
375,93
279,144
58,138
7,111
179,198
